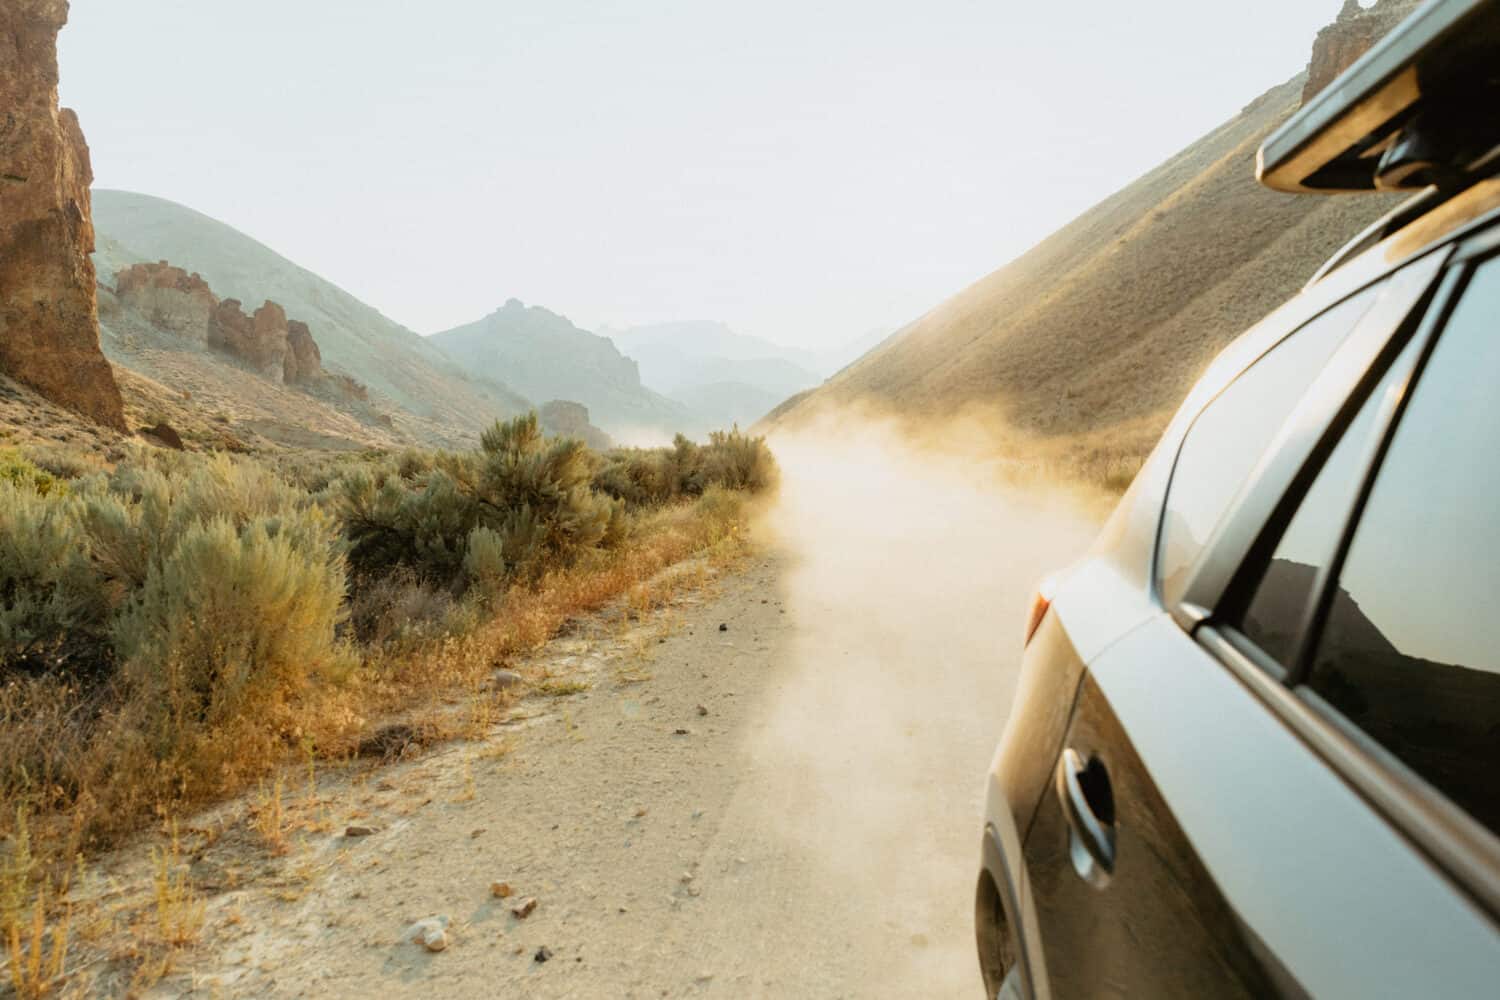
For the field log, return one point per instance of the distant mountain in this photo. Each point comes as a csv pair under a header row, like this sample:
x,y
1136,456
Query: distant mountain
x,y
704,339
1086,343
726,377
544,356
723,377
721,405
399,366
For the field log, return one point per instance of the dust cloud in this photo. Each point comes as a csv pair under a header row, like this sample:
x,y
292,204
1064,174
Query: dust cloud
x,y
908,577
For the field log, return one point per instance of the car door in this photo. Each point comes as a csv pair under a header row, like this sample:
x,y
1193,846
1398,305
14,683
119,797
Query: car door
x,y
1194,845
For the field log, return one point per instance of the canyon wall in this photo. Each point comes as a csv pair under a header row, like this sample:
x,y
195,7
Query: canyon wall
x,y
49,320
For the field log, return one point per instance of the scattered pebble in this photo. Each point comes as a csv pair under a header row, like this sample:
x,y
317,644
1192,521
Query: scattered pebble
x,y
430,932
477,833
501,890
641,811
358,831
524,908
680,732
542,954
723,626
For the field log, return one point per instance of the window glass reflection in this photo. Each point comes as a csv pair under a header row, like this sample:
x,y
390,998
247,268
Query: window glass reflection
x,y
1411,650
1227,439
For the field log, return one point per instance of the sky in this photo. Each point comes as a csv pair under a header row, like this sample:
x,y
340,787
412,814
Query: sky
x,y
804,172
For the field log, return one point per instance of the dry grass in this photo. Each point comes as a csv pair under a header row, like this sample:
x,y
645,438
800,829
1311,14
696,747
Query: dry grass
x,y
37,948
179,912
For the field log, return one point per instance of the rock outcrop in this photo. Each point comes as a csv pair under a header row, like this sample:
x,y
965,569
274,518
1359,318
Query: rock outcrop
x,y
49,321
182,304
260,341
303,362
1349,37
568,419
170,297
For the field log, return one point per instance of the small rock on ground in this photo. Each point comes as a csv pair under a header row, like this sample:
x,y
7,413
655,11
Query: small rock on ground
x,y
430,932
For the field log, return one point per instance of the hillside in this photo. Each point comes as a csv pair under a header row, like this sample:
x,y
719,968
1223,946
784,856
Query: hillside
x,y
1088,341
544,356
401,368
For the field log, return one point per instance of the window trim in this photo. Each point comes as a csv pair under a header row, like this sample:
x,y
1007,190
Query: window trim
x,y
1315,616
1230,542
1466,851
1457,844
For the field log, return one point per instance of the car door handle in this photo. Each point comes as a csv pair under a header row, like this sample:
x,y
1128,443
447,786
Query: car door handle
x,y
1088,806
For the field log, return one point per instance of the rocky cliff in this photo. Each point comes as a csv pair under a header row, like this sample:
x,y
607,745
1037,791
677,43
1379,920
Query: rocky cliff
x,y
1350,36
171,298
49,322
303,362
181,303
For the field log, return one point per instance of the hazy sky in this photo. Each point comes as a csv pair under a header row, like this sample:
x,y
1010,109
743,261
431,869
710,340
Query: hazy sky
x,y
803,171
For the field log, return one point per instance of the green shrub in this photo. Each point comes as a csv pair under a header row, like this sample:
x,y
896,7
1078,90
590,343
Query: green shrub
x,y
737,461
484,562
19,471
731,459
533,494
53,605
232,616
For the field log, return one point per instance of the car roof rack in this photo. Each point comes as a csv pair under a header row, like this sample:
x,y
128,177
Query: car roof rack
x,y
1422,107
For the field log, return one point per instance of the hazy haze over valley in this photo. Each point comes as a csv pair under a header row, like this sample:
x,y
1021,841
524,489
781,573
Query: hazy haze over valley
x,y
803,175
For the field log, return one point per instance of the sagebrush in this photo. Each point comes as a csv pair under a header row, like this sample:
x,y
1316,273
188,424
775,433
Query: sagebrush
x,y
174,625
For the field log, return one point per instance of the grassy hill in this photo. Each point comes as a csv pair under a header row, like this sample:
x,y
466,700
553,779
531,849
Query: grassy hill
x,y
356,339
1082,347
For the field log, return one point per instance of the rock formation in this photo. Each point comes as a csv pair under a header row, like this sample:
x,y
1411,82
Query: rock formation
x,y
260,341
49,321
169,297
304,362
182,304
568,419
1349,37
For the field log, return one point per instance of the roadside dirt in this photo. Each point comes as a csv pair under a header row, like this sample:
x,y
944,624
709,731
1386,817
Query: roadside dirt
x,y
770,788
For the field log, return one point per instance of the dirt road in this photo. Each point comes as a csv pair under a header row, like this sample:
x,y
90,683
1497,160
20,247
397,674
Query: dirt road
x,y
787,806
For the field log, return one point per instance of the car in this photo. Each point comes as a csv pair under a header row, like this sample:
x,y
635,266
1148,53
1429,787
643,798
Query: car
x,y
1255,746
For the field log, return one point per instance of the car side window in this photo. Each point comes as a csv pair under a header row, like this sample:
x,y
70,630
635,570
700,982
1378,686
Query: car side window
x,y
1277,610
1228,437
1410,651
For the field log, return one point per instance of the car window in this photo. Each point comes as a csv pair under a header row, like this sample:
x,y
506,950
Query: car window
x,y
1227,438
1410,651
1277,610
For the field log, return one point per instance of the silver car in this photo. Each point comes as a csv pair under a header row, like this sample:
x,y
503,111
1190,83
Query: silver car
x,y
1256,745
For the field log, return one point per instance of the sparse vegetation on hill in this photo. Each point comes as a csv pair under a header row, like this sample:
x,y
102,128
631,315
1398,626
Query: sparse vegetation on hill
x,y
174,625
1077,352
